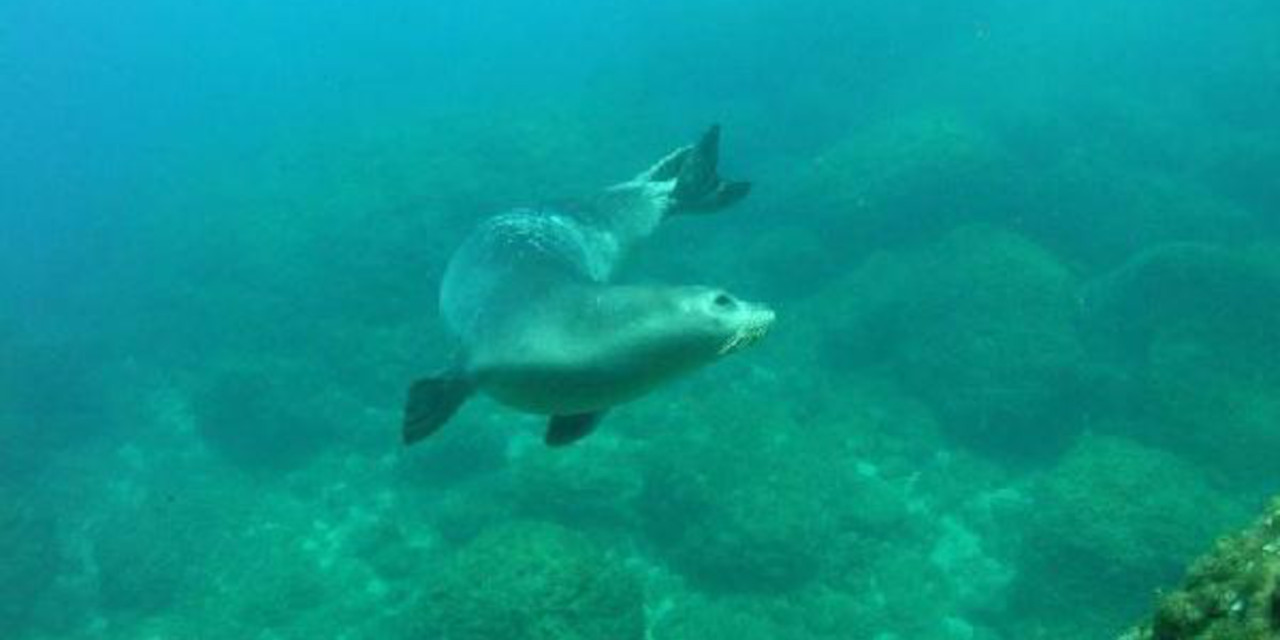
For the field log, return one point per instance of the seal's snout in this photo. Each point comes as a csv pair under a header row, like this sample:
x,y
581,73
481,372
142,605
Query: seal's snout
x,y
757,319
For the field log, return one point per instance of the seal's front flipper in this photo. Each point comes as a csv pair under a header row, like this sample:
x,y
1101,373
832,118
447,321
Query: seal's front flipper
x,y
699,188
432,401
563,430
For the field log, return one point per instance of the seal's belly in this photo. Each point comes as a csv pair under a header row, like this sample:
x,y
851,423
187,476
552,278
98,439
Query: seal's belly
x,y
551,390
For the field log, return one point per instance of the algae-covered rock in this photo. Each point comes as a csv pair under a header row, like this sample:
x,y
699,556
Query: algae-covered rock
x,y
1200,327
1225,293
1099,211
982,324
1113,520
1231,593
743,497
908,176
990,337
741,518
533,581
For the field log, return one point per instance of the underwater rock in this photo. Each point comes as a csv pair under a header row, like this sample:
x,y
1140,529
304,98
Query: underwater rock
x,y
535,581
742,497
1232,592
1184,284
990,339
982,325
263,419
731,526
906,178
1112,520
1199,326
1098,209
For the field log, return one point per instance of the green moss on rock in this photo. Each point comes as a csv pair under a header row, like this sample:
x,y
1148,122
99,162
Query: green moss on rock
x,y
982,324
534,581
1113,519
1231,593
911,174
1199,326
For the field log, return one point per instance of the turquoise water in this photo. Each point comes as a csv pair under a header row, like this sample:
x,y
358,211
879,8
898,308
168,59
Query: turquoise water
x,y
1025,259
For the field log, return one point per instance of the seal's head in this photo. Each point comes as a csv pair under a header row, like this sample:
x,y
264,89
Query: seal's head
x,y
594,347
721,323
690,326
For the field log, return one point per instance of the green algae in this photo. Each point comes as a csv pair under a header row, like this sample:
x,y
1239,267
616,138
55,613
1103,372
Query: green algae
x,y
1230,593
1113,518
532,581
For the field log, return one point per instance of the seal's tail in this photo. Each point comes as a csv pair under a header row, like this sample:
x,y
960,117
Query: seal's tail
x,y
698,187
432,401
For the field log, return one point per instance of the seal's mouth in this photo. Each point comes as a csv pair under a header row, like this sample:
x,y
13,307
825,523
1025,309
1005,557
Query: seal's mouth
x,y
751,331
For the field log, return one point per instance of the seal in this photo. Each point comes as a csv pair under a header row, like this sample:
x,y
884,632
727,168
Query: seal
x,y
541,327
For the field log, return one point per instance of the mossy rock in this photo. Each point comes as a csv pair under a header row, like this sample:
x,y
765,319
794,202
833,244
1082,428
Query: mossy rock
x,y
743,498
1113,519
909,176
1099,210
982,324
1231,593
1199,326
1230,295
535,581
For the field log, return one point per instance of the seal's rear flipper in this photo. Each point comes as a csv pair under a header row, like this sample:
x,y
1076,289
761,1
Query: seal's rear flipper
x,y
563,430
432,401
698,187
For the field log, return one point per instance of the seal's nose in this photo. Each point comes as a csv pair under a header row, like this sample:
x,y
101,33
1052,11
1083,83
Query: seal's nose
x,y
759,320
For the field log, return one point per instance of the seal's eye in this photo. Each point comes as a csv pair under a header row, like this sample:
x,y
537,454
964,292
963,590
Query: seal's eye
x,y
724,301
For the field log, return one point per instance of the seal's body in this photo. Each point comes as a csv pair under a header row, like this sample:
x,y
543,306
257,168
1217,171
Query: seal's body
x,y
543,330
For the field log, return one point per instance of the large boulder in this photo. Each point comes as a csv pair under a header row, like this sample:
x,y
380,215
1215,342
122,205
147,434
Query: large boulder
x,y
908,176
534,581
982,324
1199,327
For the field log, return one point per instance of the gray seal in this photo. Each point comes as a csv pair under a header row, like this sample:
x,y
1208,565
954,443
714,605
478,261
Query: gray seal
x,y
543,329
